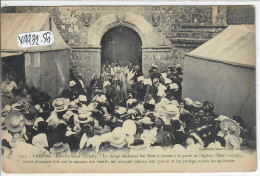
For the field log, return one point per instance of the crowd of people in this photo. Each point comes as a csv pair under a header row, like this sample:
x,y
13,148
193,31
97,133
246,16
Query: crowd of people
x,y
120,109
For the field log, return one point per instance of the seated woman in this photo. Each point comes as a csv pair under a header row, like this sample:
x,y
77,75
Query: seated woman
x,y
7,88
23,96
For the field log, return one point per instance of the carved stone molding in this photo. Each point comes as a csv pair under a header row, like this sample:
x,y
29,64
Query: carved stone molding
x,y
155,19
87,19
86,48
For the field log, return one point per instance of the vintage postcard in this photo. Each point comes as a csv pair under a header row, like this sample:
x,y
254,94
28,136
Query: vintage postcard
x,y
128,89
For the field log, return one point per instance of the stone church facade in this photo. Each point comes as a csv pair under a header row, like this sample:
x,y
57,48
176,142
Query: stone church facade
x,y
166,32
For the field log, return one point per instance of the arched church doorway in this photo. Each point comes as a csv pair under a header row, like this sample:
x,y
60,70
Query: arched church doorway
x,y
121,45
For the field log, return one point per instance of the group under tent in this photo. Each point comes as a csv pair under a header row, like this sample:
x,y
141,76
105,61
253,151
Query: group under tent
x,y
222,71
44,67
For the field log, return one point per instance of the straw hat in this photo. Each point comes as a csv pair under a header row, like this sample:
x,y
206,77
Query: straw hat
x,y
221,117
82,98
85,109
146,121
167,81
60,148
72,83
188,101
60,104
230,126
83,117
118,136
174,86
73,105
197,104
172,110
129,127
18,106
175,103
121,110
14,121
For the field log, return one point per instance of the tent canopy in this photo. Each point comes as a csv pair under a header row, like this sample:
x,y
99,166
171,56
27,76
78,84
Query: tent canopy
x,y
235,45
6,54
13,24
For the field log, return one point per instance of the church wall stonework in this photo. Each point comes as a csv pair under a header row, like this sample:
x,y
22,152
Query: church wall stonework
x,y
167,32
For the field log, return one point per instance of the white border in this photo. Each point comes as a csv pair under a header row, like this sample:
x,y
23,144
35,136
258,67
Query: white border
x,y
154,3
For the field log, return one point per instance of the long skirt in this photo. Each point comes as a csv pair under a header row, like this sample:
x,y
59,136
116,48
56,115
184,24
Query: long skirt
x,y
6,100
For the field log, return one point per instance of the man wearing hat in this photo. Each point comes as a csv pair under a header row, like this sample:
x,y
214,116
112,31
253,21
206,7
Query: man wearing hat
x,y
15,123
72,93
172,111
138,73
116,138
40,139
82,100
60,106
77,78
177,130
149,103
84,125
60,146
139,89
155,72
30,114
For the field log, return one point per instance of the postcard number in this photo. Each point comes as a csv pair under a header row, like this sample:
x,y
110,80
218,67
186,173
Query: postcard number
x,y
32,39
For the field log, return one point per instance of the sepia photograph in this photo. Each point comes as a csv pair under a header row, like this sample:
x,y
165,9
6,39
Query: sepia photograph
x,y
128,89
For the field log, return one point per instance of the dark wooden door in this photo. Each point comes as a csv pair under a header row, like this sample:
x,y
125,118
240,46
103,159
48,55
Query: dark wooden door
x,y
121,44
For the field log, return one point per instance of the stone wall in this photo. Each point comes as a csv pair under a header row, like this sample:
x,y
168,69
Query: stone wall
x,y
168,31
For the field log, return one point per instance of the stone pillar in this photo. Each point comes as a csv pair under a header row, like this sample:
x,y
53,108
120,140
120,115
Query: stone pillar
x,y
214,14
158,55
88,61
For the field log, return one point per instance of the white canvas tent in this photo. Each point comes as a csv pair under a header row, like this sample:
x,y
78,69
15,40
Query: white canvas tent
x,y
222,71
44,67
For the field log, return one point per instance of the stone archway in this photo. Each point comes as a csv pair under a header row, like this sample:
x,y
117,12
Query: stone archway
x,y
145,30
155,47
